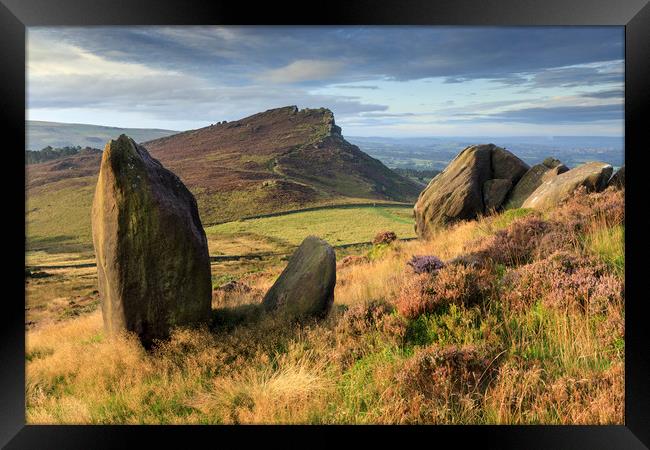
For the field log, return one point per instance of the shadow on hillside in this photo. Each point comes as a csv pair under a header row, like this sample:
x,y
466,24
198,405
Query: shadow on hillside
x,y
227,318
57,244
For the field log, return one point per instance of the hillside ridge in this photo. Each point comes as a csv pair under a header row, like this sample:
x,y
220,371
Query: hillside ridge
x,y
275,161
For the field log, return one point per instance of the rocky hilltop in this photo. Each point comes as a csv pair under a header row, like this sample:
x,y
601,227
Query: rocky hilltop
x,y
277,160
273,161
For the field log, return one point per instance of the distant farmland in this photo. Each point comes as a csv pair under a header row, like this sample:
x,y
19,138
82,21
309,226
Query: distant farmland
x,y
338,226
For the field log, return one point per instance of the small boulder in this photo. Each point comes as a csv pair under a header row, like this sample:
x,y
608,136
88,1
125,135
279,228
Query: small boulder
x,y
457,193
305,288
618,179
593,176
532,179
153,265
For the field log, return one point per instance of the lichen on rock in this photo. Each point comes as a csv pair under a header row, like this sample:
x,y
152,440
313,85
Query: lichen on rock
x,y
152,257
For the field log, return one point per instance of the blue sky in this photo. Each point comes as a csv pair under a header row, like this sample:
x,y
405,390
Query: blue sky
x,y
378,81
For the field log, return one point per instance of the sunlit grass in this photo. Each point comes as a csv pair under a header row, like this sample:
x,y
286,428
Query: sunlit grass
x,y
544,364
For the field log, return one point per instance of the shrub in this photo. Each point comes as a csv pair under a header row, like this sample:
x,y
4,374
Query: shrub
x,y
562,280
458,285
583,209
416,296
425,264
523,241
385,237
365,328
360,319
439,381
377,252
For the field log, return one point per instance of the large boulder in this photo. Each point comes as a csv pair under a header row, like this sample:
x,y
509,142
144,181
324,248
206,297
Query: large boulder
x,y
306,286
152,255
593,176
532,179
618,179
460,191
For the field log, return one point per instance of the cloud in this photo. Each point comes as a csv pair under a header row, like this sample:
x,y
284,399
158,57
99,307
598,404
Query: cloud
x,y
62,75
206,74
611,93
554,115
370,52
303,70
576,76
357,86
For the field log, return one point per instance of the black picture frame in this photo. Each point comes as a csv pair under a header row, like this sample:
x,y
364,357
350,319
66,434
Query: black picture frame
x,y
16,15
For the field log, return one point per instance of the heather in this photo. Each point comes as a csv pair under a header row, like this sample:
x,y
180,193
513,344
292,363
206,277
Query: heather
x,y
516,318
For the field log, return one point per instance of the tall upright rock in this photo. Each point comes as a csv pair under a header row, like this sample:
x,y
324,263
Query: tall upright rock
x,y
152,256
476,181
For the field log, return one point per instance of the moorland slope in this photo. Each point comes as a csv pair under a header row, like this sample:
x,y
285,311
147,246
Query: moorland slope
x,y
278,160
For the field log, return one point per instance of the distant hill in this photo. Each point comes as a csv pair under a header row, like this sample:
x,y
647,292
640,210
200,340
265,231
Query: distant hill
x,y
54,134
436,152
49,153
278,160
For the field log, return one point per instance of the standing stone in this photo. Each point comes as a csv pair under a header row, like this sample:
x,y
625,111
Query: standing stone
x,y
532,179
459,191
306,286
152,255
593,176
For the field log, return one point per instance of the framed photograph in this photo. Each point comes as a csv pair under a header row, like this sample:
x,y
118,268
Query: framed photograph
x,y
403,215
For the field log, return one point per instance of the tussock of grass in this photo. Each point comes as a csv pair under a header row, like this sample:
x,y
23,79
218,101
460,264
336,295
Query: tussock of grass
x,y
540,341
608,243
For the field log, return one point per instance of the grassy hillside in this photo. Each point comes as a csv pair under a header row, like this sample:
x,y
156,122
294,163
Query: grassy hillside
x,y
58,215
529,330
41,134
338,226
278,160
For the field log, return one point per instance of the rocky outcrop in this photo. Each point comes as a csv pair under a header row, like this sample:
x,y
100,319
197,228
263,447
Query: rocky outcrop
x,y
593,176
494,192
618,179
305,288
460,191
152,256
532,179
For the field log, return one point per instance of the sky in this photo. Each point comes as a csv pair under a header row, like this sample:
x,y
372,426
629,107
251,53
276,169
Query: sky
x,y
393,81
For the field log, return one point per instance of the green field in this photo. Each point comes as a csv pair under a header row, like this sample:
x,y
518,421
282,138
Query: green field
x,y
66,236
57,218
337,226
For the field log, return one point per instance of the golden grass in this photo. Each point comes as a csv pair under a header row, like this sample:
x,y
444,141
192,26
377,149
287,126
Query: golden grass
x,y
551,365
